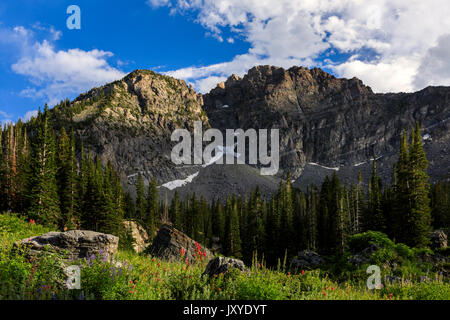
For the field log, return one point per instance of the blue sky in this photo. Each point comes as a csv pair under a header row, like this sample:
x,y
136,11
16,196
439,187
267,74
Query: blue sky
x,y
138,36
205,41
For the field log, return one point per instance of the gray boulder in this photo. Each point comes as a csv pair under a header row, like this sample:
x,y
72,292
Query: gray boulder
x,y
173,245
358,259
438,239
220,265
71,244
307,259
363,256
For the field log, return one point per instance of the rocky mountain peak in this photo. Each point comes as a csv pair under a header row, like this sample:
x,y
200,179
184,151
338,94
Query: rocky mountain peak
x,y
142,98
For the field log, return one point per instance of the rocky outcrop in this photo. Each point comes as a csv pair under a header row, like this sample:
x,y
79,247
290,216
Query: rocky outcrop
x,y
438,239
221,265
173,245
306,259
139,235
73,244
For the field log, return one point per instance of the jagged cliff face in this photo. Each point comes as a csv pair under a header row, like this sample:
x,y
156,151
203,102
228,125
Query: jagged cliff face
x,y
326,124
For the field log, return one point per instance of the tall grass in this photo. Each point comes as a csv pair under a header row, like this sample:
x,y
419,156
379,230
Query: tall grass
x,y
130,276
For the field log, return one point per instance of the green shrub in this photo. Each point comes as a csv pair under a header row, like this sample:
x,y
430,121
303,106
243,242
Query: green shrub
x,y
360,241
404,251
422,251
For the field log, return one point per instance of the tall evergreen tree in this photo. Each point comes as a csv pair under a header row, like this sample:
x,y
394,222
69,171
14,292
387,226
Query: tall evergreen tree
x,y
141,201
66,179
412,213
44,200
152,216
374,218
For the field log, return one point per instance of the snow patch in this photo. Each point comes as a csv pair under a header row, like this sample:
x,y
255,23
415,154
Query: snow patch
x,y
328,168
179,183
134,174
225,106
359,164
426,137
220,152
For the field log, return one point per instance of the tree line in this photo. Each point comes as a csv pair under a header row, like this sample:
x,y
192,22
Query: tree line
x,y
45,177
42,178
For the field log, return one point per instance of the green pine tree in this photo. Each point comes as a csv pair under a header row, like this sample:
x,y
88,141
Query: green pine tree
x,y
44,200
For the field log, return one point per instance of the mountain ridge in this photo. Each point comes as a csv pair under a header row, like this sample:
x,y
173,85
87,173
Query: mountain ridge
x,y
323,120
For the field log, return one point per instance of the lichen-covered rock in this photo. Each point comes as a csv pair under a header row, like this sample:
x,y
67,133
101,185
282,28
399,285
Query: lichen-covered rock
x,y
71,244
222,265
173,245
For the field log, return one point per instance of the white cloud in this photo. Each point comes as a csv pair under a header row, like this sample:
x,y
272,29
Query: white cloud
x,y
58,74
158,3
434,68
383,76
389,41
5,117
4,114
30,114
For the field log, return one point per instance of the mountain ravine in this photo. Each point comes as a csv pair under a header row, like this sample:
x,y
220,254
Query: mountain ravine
x,y
326,124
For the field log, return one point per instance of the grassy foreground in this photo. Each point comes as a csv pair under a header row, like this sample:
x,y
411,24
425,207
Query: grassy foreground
x,y
148,278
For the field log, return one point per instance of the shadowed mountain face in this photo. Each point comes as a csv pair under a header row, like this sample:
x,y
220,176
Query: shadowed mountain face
x,y
326,125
